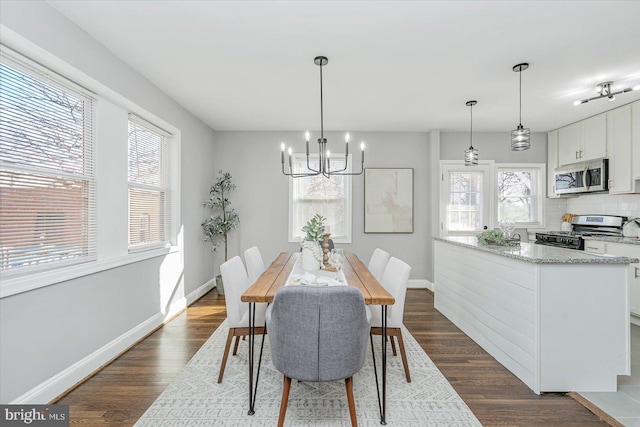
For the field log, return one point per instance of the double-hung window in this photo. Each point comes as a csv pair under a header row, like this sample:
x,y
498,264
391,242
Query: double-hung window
x,y
149,198
47,181
329,197
475,198
520,193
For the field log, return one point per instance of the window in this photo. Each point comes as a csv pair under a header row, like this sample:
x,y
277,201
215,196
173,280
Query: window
x,y
47,182
329,197
465,198
471,194
149,200
520,193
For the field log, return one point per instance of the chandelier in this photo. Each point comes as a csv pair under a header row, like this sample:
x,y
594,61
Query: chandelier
x,y
324,155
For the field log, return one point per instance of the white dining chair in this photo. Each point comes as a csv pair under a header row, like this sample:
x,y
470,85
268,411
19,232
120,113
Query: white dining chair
x,y
394,280
236,281
254,262
378,262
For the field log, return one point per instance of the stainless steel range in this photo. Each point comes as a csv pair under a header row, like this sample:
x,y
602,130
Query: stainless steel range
x,y
583,225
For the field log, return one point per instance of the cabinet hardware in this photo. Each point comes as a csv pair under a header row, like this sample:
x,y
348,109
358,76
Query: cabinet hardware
x,y
577,155
636,272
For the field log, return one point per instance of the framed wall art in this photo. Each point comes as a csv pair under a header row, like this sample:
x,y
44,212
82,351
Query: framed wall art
x,y
388,200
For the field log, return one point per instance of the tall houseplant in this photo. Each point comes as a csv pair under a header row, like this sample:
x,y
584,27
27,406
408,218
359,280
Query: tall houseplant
x,y
223,219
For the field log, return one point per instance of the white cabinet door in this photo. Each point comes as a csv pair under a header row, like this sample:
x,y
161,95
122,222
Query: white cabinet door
x,y
569,144
583,141
631,251
552,162
594,138
635,123
619,149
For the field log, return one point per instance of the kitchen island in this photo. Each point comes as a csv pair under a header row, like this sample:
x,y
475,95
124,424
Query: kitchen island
x,y
557,318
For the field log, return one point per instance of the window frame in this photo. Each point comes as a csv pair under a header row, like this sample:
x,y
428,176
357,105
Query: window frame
x,y
291,227
540,192
164,188
111,113
493,170
88,175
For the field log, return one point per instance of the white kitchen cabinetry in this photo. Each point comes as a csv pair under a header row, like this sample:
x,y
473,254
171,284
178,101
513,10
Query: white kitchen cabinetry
x,y
583,141
552,162
619,150
635,138
629,251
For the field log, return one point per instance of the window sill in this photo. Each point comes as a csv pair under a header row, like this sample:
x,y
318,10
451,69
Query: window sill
x,y
28,282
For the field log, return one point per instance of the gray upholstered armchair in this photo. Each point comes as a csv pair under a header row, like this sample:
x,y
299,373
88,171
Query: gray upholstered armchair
x,y
318,334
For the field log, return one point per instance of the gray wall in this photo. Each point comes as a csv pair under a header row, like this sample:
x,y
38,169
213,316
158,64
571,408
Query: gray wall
x,y
261,198
493,146
49,329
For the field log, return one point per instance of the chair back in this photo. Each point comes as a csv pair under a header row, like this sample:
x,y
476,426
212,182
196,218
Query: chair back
x,y
318,333
378,262
394,280
255,264
235,281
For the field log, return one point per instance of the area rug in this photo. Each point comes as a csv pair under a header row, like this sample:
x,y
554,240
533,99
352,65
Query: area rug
x,y
195,398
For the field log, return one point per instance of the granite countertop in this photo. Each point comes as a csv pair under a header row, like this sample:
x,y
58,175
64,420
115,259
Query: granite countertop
x,y
611,239
538,254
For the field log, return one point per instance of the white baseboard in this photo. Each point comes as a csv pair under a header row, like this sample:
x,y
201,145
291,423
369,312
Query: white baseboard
x,y
420,284
48,390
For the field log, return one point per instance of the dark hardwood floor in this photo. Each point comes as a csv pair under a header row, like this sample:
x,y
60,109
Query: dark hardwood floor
x,y
120,393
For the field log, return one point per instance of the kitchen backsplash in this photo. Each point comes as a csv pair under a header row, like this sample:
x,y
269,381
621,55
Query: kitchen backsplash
x,y
616,204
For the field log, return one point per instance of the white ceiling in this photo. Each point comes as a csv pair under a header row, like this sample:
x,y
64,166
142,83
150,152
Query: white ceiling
x,y
393,65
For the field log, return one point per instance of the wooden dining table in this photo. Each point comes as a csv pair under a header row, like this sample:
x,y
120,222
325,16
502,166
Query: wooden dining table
x,y
356,274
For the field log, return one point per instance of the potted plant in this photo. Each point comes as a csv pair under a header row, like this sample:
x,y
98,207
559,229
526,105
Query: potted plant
x,y
311,257
223,219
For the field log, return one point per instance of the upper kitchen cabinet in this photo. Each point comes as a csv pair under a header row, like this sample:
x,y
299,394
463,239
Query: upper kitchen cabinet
x,y
619,150
552,162
583,141
635,139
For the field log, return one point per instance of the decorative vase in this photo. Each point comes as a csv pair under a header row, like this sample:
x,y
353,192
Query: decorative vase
x,y
311,257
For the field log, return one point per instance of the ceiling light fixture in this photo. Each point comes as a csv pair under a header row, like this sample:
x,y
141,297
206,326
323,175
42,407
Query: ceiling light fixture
x,y
520,136
471,154
324,156
605,90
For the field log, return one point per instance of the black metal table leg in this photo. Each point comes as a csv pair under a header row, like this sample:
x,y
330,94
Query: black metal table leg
x,y
383,412
252,334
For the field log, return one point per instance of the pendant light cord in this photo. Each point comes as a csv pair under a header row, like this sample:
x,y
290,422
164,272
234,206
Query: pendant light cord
x,y
471,133
520,72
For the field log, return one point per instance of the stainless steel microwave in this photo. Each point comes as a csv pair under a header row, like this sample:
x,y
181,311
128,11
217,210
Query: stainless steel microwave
x,y
586,177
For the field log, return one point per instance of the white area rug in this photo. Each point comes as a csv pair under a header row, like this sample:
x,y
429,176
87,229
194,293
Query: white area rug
x,y
194,398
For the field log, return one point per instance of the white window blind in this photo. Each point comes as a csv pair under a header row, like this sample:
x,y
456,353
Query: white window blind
x,y
47,182
149,199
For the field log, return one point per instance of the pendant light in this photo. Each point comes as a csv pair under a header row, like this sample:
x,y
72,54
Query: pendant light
x,y
471,154
520,136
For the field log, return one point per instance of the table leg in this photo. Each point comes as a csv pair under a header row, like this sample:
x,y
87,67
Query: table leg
x,y
253,391
383,413
252,333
